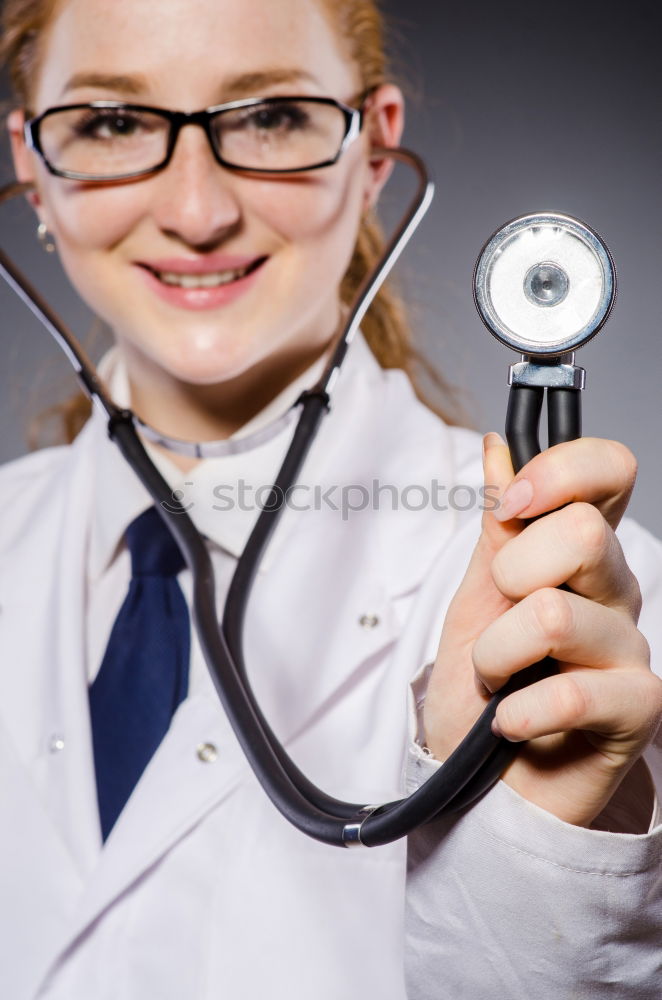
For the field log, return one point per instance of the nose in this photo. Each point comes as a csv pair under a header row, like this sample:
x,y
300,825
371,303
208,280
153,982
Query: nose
x,y
196,199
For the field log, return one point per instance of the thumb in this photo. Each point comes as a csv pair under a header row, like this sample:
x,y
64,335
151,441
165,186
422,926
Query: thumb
x,y
478,602
498,473
452,702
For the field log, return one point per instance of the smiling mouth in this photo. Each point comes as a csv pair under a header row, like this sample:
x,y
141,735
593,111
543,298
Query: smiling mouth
x,y
213,279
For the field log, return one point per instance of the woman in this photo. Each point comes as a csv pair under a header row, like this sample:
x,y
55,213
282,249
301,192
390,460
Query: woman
x,y
224,288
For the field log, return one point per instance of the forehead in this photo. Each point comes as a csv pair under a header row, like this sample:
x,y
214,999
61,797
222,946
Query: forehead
x,y
186,50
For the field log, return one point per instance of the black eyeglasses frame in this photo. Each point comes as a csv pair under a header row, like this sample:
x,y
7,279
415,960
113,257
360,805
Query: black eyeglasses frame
x,y
354,120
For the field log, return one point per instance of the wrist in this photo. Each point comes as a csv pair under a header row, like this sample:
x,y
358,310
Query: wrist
x,y
632,807
627,807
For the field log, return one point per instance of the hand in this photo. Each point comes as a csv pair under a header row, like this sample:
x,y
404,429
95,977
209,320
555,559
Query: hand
x,y
589,724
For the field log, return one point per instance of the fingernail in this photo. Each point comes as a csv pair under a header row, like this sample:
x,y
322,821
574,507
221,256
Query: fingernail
x,y
517,498
492,440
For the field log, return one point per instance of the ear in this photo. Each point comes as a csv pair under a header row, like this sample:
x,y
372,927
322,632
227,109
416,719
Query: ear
x,y
385,121
23,157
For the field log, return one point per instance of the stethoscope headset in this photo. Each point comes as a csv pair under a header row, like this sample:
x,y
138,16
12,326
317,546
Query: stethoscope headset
x,y
544,284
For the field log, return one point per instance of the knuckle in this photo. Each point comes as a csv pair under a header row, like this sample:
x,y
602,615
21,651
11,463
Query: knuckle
x,y
502,573
650,704
514,719
653,693
656,693
572,700
625,461
657,702
589,529
643,652
551,613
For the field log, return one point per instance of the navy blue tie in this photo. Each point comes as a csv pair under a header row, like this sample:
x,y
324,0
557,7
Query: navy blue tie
x,y
144,673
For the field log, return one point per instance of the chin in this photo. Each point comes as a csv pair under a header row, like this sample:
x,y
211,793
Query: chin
x,y
212,365
200,354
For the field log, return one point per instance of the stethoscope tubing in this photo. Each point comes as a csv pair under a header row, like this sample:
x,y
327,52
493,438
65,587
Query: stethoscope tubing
x,y
481,757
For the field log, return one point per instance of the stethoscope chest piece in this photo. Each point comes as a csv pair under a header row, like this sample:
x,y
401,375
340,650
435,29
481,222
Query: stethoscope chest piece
x,y
544,284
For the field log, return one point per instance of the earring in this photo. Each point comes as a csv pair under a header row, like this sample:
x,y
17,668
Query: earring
x,y
45,238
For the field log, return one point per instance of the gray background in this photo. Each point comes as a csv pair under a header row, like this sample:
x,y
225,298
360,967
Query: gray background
x,y
517,107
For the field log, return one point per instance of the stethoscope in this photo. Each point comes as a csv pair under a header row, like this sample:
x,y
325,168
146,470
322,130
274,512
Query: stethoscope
x,y
544,284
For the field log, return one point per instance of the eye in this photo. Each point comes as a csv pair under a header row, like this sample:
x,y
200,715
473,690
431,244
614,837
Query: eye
x,y
281,116
285,117
111,123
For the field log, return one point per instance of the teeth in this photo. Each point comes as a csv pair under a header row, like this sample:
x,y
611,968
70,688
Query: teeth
x,y
212,280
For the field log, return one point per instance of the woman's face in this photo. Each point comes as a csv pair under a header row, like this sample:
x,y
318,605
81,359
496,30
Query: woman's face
x,y
188,55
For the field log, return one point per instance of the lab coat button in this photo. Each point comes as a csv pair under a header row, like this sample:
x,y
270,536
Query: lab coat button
x,y
56,743
207,753
368,621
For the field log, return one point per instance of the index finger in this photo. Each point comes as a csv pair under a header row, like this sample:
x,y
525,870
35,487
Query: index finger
x,y
592,470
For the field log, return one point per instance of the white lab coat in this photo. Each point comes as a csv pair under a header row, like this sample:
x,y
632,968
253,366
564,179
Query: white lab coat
x,y
202,890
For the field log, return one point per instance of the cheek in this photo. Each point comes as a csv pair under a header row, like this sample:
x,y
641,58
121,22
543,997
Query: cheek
x,y
89,224
95,218
316,219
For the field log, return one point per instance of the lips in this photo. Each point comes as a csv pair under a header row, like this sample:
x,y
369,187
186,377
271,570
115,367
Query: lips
x,y
204,283
205,280
202,265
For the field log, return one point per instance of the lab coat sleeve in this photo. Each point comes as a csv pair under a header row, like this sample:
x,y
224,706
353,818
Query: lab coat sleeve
x,y
506,900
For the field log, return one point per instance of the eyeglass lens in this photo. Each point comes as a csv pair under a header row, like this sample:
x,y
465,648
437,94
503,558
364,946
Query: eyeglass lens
x,y
108,142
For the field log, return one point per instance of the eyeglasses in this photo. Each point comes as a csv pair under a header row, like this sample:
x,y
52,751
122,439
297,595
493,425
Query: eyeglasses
x,y
111,140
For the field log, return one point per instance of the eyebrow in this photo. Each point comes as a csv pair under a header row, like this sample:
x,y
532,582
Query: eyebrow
x,y
237,86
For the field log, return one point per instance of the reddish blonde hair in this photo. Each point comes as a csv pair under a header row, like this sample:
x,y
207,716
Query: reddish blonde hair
x,y
360,26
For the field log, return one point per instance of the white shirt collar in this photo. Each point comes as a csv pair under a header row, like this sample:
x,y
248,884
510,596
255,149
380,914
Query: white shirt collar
x,y
223,493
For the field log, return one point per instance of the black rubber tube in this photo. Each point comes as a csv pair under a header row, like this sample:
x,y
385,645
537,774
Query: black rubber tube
x,y
522,423
468,772
234,613
238,703
394,819
564,415
490,756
